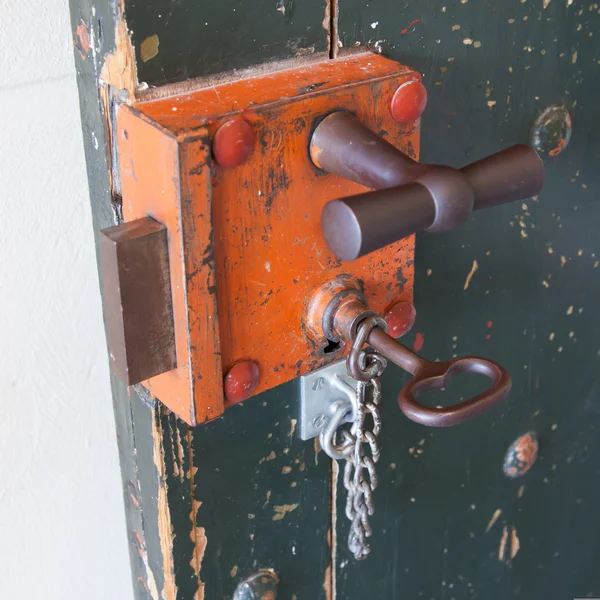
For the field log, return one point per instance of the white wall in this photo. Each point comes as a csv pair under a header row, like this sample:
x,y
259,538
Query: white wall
x,y
62,526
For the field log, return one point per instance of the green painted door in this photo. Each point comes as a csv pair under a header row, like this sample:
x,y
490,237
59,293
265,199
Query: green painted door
x,y
209,506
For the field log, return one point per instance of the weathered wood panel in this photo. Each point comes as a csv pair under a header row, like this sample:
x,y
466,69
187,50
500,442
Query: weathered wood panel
x,y
191,494
94,27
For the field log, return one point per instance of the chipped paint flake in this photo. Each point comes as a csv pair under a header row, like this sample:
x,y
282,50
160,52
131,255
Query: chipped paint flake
x,y
119,68
198,536
270,456
150,583
502,547
149,48
329,581
82,39
493,520
179,460
470,275
282,510
515,545
317,449
165,527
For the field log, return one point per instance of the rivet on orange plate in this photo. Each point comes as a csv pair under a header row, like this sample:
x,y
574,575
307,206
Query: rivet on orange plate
x,y
409,102
241,381
233,143
400,318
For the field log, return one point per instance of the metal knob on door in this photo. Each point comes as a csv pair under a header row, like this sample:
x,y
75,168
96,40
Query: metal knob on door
x,y
410,196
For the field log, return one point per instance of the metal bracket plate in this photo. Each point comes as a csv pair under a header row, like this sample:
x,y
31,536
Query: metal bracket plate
x,y
320,390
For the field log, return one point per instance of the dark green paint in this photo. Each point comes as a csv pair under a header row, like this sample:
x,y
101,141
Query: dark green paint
x,y
436,546
260,490
202,38
251,462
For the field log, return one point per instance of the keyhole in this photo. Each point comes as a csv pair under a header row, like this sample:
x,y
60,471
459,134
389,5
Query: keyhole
x,y
331,347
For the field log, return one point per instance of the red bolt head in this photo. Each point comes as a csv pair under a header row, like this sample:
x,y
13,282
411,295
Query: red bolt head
x,y
400,318
233,143
409,102
241,381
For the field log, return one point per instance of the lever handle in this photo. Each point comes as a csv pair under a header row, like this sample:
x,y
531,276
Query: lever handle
x,y
410,196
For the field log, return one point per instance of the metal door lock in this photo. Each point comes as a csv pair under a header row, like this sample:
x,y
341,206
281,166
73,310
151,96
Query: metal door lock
x,y
216,180
213,186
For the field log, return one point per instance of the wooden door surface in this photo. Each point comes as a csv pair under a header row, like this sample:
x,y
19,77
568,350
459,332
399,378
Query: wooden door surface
x,y
208,506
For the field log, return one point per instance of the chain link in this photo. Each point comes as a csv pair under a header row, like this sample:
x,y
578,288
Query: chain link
x,y
358,443
360,476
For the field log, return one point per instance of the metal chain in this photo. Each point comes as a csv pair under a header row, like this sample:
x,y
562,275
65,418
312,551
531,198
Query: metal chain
x,y
360,476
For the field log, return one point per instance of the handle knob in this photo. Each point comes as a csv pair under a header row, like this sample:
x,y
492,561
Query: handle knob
x,y
410,196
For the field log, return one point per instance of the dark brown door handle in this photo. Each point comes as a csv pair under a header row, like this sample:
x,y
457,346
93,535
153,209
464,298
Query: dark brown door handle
x,y
410,196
